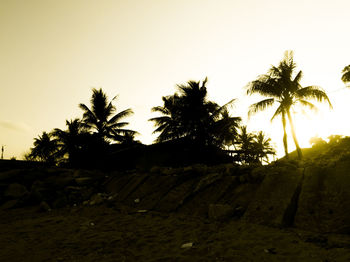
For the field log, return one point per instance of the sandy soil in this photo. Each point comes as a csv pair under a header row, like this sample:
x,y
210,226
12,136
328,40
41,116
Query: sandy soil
x,y
101,233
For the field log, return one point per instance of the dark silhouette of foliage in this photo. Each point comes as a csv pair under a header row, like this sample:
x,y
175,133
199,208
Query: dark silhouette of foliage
x,y
190,114
263,147
71,142
45,149
253,148
281,87
102,118
346,74
317,141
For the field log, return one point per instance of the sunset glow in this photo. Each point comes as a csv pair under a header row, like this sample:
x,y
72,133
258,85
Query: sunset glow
x,y
54,52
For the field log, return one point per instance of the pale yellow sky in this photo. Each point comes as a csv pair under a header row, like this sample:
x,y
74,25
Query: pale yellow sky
x,y
53,52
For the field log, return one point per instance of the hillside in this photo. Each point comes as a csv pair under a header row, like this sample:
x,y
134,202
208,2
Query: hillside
x,y
289,209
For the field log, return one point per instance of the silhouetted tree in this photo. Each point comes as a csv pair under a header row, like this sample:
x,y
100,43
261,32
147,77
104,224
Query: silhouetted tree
x,y
168,124
346,74
101,117
262,147
245,142
317,141
45,149
280,86
71,141
225,128
190,114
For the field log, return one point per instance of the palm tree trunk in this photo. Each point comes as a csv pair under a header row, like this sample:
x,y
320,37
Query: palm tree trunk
x,y
285,143
300,155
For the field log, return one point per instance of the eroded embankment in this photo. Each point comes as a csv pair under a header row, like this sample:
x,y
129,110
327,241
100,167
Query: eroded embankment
x,y
313,198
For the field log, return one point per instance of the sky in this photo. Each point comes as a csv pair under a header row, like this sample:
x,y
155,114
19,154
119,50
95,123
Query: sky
x,y
52,53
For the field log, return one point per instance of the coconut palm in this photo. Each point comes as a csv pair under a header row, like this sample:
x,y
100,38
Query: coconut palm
x,y
245,142
168,124
263,147
101,117
346,74
225,127
281,87
70,141
190,114
45,149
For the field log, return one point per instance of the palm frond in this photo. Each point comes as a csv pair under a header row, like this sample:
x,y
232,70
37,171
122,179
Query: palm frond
x,y
280,111
259,106
120,115
313,92
346,74
308,104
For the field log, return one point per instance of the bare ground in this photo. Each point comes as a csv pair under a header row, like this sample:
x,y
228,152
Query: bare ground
x,y
101,233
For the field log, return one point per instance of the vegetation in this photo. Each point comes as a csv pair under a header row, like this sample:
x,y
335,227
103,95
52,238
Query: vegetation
x,y
346,74
186,117
101,118
253,148
280,86
45,149
189,114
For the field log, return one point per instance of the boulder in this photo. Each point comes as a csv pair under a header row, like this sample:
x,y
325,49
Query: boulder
x,y
10,204
44,207
96,199
275,200
207,181
176,196
15,191
220,212
325,199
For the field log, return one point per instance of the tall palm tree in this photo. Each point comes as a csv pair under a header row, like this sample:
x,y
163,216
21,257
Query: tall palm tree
x,y
102,119
245,141
282,88
225,127
168,124
263,147
70,141
196,111
190,114
346,74
45,149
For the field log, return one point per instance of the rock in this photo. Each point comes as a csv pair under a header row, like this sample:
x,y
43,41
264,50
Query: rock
x,y
84,181
325,199
61,201
96,199
175,197
15,191
187,245
275,198
220,212
207,181
44,207
270,251
10,204
39,192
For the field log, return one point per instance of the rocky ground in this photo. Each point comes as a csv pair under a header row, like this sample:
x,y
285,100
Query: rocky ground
x,y
102,233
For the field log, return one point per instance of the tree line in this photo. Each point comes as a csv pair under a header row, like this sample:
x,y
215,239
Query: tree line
x,y
187,114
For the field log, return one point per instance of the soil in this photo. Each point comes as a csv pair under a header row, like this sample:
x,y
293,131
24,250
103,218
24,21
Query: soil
x,y
102,233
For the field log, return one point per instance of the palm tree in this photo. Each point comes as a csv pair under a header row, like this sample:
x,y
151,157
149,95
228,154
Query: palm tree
x,y
45,149
346,74
168,124
224,128
263,147
280,86
245,141
70,141
190,114
102,119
